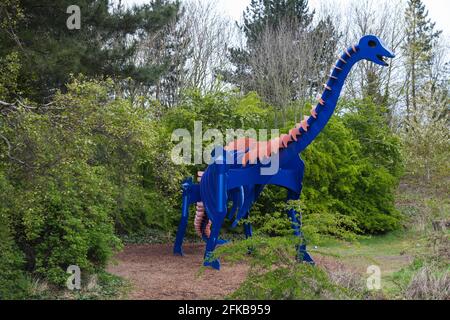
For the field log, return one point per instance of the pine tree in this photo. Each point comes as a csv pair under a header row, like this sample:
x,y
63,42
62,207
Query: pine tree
x,y
418,50
427,98
261,15
285,55
104,46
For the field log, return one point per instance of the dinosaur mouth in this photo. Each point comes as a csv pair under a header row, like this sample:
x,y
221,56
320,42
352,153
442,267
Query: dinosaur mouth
x,y
383,59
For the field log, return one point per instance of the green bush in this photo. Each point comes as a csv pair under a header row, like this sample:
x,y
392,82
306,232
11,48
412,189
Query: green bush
x,y
352,169
14,284
65,221
77,173
274,272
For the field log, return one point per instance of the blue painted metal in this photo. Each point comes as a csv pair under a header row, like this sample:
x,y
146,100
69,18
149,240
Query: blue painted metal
x,y
242,184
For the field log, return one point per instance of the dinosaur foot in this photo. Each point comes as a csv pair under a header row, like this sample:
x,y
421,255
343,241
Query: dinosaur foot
x,y
178,251
215,264
222,242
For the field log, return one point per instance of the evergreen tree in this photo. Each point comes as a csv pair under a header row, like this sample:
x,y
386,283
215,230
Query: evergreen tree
x,y
418,50
286,56
261,15
105,45
175,51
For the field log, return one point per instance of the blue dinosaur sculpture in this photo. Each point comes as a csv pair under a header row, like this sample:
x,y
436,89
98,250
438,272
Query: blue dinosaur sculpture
x,y
235,173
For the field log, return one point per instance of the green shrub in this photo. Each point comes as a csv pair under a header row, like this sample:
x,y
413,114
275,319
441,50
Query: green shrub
x,y
347,173
14,284
77,174
65,221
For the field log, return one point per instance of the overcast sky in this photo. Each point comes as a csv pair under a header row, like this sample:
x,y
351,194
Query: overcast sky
x,y
439,10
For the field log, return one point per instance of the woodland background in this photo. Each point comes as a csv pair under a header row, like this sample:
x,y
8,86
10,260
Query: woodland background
x,y
86,118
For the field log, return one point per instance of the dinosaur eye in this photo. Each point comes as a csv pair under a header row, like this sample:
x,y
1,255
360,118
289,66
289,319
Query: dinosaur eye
x,y
372,44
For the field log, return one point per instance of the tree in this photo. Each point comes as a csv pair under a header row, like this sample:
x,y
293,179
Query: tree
x,y
383,85
418,50
259,16
105,45
167,48
210,36
284,52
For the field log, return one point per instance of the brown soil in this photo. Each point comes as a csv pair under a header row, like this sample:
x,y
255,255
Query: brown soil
x,y
155,273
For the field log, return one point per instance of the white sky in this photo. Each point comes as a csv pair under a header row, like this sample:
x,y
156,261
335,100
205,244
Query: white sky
x,y
439,10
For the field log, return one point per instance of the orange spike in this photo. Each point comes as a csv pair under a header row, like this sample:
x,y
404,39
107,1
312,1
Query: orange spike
x,y
285,139
326,87
280,141
261,150
348,54
253,156
267,149
245,159
342,60
293,134
304,124
314,113
240,144
321,101
275,145
354,49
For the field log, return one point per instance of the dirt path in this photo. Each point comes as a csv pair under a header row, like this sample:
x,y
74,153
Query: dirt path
x,y
156,273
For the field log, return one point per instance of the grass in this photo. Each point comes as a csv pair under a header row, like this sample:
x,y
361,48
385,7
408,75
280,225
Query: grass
x,y
101,286
397,253
391,252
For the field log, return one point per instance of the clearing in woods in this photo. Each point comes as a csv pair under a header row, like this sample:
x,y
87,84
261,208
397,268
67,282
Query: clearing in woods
x,y
155,273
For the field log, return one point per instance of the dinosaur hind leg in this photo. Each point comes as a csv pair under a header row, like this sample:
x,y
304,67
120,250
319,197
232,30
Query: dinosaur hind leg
x,y
296,221
210,260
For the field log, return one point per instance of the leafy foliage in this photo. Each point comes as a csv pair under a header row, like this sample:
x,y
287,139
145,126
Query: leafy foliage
x,y
105,45
13,282
351,171
275,273
77,173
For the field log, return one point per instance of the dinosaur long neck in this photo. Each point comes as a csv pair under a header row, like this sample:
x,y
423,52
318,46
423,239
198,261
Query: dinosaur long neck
x,y
320,115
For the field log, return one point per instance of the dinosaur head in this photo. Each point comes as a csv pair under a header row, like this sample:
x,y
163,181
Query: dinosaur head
x,y
373,49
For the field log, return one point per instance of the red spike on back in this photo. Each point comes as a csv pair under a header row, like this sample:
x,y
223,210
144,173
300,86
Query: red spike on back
x,y
275,145
262,150
294,133
258,150
284,139
253,155
304,123
241,144
245,159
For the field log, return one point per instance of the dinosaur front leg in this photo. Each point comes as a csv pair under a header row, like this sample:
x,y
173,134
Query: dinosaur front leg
x,y
191,194
296,222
